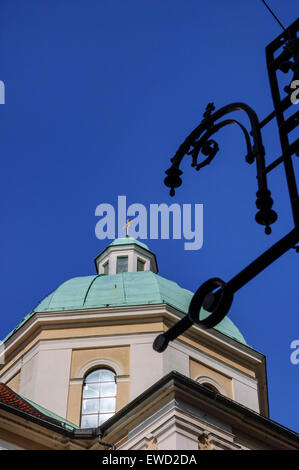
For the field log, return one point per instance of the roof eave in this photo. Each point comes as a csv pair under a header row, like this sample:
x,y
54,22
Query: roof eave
x,y
175,380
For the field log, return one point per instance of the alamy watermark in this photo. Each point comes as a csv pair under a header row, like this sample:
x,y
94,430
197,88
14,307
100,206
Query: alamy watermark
x,y
294,357
295,94
2,92
187,222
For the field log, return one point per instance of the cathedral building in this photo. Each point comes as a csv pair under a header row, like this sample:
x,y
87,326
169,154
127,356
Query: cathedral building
x,y
80,370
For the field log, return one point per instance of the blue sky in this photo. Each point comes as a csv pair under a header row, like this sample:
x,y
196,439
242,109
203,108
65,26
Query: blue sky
x,y
99,94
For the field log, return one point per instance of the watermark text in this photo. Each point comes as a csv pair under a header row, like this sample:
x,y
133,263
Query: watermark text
x,y
159,221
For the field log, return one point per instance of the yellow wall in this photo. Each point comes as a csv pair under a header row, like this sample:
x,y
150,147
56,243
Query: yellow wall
x,y
79,332
14,382
197,370
120,354
81,357
222,357
106,330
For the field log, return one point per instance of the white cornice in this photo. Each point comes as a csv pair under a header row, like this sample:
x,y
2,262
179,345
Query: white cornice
x,y
127,315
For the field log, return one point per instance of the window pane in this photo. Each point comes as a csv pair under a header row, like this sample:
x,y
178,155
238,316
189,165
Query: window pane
x,y
140,265
93,376
107,405
108,389
107,376
90,406
122,264
98,400
89,421
91,390
104,417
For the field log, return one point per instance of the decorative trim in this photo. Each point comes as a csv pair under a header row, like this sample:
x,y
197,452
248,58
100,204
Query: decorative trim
x,y
202,379
204,441
99,362
76,381
122,378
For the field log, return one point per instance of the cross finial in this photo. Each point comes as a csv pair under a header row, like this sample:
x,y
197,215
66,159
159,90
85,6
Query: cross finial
x,y
127,226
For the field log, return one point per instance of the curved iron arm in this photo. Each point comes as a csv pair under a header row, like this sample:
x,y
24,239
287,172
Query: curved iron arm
x,y
215,296
203,143
198,141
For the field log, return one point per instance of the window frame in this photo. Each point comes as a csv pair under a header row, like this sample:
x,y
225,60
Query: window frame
x,y
122,257
202,380
98,397
140,260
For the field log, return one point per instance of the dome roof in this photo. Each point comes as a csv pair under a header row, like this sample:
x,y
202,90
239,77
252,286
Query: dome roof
x,y
129,288
128,241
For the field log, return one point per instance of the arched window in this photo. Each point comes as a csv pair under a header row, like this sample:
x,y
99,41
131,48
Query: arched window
x,y
211,384
210,387
99,397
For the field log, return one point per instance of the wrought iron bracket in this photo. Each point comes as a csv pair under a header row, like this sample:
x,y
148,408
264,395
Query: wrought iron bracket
x,y
199,141
212,301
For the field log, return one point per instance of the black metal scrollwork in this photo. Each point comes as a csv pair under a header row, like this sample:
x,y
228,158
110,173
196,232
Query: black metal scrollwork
x,y
212,301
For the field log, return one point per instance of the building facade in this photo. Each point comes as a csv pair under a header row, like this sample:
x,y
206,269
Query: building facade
x,y
80,371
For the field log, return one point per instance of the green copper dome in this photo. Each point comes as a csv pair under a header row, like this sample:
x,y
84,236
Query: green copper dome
x,y
129,288
128,241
